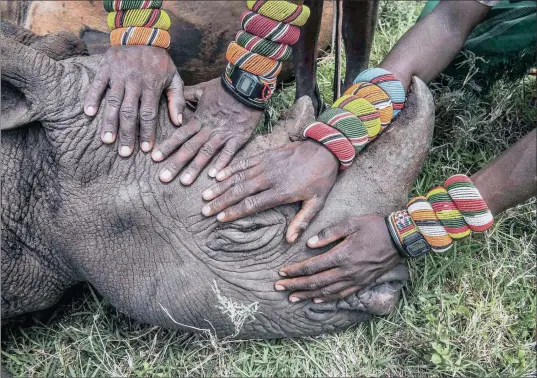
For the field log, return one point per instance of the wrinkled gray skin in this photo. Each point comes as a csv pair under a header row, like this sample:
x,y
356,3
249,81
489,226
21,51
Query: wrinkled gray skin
x,y
74,210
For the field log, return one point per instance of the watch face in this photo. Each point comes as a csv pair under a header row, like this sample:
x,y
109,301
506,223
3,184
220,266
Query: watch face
x,y
417,248
245,85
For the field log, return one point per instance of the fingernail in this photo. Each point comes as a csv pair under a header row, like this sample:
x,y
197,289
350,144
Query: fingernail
x,y
180,118
206,210
293,238
186,178
165,175
90,110
157,155
293,299
212,172
282,273
317,300
221,216
279,287
313,240
125,151
220,175
145,146
208,194
108,137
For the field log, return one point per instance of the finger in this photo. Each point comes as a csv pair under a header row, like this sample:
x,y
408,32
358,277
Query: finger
x,y
193,92
176,140
95,94
176,100
250,205
225,156
219,188
178,160
128,119
336,296
330,234
301,221
238,166
316,264
201,160
338,290
310,283
109,123
237,193
148,119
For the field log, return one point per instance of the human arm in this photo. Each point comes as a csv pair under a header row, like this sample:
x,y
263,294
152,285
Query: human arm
x,y
432,43
366,249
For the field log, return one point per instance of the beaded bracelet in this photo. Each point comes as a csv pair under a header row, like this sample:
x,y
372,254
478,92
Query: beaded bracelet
x,y
283,11
138,36
442,216
251,62
363,110
388,82
261,46
116,5
267,28
332,139
148,18
377,97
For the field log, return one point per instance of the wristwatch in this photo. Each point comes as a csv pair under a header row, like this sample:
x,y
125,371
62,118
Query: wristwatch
x,y
245,87
405,234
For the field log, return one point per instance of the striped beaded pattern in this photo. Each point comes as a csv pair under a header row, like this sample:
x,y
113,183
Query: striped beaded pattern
x,y
469,202
137,36
261,46
251,62
267,28
348,124
149,18
447,213
116,5
332,139
283,11
377,97
388,83
363,110
429,226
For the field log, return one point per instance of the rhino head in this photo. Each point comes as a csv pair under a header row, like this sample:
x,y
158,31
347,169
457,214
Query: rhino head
x,y
74,210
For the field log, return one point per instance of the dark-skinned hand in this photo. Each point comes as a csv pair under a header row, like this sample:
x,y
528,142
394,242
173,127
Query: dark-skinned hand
x,y
365,252
300,171
136,77
221,125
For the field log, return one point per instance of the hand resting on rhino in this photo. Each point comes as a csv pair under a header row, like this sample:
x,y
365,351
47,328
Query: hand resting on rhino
x,y
74,210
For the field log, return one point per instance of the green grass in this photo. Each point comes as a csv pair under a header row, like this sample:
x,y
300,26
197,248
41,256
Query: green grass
x,y
470,311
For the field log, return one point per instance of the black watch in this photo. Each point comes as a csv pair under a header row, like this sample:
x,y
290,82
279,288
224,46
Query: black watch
x,y
245,87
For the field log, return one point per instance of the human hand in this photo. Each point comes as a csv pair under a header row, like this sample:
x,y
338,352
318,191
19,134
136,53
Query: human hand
x,y
220,124
135,77
365,253
300,171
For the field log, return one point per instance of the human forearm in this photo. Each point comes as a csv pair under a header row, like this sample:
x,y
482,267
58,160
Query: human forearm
x,y
429,46
511,178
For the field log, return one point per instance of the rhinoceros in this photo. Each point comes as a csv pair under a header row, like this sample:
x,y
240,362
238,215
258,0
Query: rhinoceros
x,y
73,210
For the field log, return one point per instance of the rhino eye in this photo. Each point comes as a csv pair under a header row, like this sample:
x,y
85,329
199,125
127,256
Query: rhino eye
x,y
248,234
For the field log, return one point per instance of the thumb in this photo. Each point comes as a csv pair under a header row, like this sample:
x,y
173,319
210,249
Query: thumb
x,y
194,92
176,100
310,208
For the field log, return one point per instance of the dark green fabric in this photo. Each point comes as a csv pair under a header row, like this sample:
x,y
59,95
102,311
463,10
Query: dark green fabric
x,y
505,41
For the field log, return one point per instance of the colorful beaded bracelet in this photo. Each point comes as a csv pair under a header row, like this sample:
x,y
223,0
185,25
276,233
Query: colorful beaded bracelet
x,y
117,5
261,46
389,83
251,62
469,202
332,139
430,227
447,213
362,109
283,11
267,28
348,124
376,97
138,36
148,18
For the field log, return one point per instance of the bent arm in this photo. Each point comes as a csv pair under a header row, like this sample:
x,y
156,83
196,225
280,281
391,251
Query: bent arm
x,y
430,45
512,177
